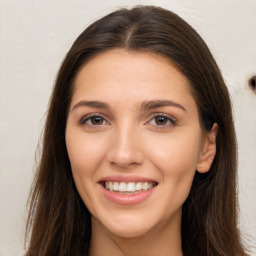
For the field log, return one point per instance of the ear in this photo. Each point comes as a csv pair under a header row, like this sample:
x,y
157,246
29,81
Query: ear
x,y
209,151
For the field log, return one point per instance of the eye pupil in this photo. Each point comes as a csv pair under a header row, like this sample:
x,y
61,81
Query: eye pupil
x,y
97,120
161,120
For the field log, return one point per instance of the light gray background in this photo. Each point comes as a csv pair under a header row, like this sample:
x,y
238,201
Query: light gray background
x,y
34,37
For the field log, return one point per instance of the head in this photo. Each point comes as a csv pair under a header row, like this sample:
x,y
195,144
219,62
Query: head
x,y
159,34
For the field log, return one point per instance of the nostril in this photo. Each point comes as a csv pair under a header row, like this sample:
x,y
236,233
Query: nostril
x,y
252,83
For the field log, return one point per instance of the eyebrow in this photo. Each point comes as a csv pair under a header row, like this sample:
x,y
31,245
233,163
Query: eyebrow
x,y
94,104
146,105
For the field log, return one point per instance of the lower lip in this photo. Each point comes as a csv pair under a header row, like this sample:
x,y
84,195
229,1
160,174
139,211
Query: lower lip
x,y
122,199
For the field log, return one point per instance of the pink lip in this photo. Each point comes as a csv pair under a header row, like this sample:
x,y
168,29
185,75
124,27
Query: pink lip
x,y
121,199
125,178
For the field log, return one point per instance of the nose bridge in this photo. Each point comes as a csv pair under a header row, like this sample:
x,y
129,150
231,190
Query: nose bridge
x,y
125,147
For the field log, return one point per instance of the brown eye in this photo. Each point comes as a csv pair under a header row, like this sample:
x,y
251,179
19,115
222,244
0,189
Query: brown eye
x,y
161,120
97,120
93,121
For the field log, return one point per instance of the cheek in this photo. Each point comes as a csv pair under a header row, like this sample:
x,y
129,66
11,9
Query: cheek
x,y
177,153
176,158
85,154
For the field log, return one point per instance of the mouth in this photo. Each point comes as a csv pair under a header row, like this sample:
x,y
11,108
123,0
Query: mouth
x,y
128,188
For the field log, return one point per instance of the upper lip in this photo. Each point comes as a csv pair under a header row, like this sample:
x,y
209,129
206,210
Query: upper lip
x,y
126,178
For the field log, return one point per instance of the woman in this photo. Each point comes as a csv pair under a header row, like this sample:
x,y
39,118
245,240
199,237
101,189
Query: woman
x,y
139,151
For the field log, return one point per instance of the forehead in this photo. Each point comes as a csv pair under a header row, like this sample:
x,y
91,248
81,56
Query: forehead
x,y
131,76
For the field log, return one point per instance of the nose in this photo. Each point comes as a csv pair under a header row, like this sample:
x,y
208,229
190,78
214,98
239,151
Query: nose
x,y
126,148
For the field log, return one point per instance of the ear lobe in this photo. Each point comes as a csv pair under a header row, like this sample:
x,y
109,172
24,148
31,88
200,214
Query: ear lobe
x,y
209,151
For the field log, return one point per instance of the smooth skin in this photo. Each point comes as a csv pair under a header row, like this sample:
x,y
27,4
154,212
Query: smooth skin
x,y
132,113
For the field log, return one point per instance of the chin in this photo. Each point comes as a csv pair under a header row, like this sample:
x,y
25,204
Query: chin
x,y
129,225
121,223
129,231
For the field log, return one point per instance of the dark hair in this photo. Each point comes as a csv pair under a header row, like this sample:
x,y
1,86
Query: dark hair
x,y
59,222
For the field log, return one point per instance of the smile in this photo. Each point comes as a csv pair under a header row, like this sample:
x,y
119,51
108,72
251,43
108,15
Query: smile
x,y
128,188
124,190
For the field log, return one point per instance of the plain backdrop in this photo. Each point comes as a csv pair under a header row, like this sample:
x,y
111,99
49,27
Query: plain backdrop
x,y
35,36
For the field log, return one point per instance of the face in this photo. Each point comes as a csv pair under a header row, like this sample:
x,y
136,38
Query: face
x,y
134,141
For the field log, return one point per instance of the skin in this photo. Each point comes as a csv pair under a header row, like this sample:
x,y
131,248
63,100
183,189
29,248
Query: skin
x,y
128,139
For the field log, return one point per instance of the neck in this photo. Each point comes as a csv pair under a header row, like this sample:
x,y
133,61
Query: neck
x,y
161,240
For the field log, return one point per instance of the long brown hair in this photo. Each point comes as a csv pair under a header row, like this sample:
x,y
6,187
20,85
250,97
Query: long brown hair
x,y
59,222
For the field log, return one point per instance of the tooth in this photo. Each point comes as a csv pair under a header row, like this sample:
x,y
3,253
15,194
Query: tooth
x,y
122,186
138,186
115,186
150,185
110,186
131,187
145,185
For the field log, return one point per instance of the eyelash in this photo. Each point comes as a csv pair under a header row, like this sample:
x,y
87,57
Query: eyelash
x,y
168,118
90,117
171,120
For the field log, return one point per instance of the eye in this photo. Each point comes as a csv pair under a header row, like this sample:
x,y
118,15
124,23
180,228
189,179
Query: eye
x,y
162,120
93,120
